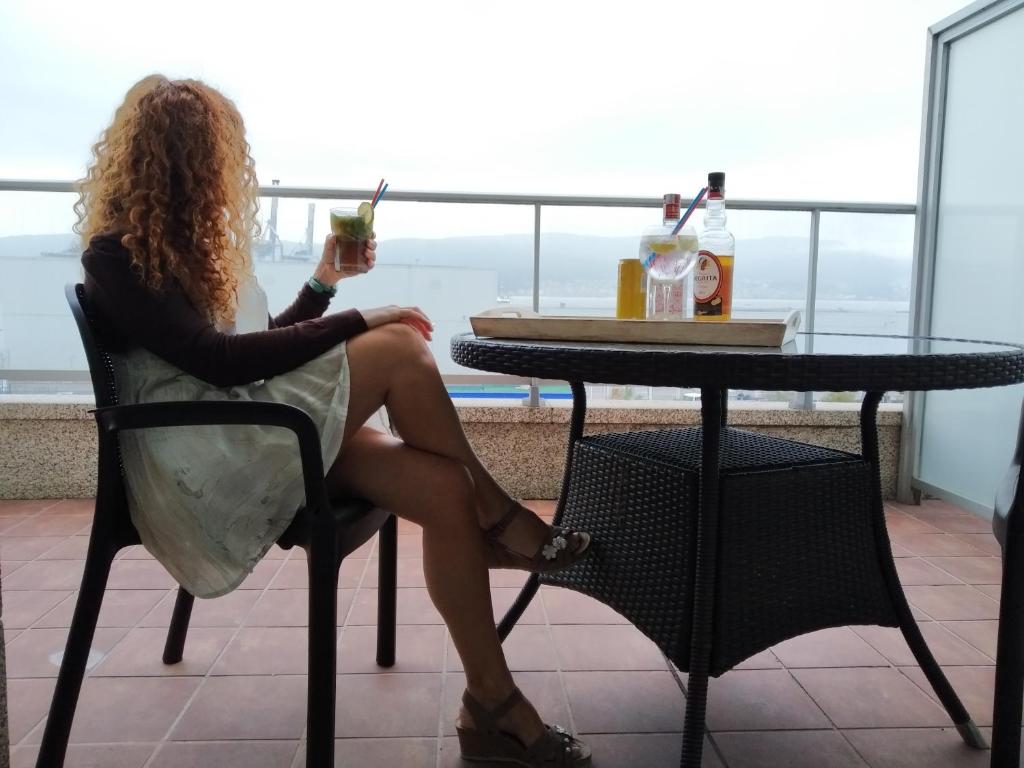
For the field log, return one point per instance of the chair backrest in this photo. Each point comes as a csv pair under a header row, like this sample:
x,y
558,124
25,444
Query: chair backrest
x,y
101,369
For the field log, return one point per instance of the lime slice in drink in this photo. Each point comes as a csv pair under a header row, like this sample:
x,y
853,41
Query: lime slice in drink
x,y
366,211
663,246
688,242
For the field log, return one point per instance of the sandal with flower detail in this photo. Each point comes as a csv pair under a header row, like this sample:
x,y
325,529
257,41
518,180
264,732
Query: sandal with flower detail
x,y
487,743
561,547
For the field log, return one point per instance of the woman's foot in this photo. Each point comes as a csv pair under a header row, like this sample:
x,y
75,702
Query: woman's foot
x,y
510,730
521,540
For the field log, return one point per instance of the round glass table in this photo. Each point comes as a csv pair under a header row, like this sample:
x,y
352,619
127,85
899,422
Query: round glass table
x,y
693,529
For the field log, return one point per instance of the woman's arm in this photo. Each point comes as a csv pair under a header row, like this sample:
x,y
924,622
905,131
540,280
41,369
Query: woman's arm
x,y
168,325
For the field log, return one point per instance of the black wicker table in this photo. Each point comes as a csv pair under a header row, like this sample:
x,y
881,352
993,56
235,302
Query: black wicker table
x,y
719,543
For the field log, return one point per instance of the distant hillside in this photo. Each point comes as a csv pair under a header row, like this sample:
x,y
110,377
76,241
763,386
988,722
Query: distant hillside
x,y
584,265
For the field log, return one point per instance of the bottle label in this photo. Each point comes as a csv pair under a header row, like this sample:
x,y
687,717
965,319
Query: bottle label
x,y
707,277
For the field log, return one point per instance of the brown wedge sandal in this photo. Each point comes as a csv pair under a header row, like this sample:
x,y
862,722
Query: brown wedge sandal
x,y
561,548
487,743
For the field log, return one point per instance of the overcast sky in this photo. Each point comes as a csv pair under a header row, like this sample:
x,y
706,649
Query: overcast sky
x,y
809,100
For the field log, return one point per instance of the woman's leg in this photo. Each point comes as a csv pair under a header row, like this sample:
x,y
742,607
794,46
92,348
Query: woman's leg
x,y
392,365
437,493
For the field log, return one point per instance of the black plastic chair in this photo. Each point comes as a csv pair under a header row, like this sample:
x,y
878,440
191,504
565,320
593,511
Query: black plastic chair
x,y
1008,527
327,529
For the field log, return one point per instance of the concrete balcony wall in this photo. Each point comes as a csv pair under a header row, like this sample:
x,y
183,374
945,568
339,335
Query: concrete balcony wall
x,y
48,445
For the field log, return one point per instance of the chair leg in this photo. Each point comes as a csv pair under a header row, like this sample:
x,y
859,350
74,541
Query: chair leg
x,y
387,583
175,645
1006,710
76,655
323,567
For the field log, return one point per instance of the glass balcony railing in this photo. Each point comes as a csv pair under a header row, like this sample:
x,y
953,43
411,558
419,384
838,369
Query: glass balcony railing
x,y
846,266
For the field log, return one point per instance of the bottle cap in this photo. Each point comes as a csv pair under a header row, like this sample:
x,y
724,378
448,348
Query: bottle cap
x,y
670,204
716,185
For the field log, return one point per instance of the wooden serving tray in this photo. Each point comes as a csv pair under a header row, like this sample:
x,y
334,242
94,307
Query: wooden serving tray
x,y
508,323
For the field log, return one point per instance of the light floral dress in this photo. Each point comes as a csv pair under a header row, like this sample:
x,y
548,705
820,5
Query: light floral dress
x,y
209,501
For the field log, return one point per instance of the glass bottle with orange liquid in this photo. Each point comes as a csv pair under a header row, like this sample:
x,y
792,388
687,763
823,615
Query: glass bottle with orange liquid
x,y
712,277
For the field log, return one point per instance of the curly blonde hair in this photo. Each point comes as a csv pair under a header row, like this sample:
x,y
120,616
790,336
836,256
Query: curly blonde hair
x,y
173,177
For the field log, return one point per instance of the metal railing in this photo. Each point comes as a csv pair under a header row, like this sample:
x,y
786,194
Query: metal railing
x,y
814,207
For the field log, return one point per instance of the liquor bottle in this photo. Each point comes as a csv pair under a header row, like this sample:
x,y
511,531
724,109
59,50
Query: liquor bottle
x,y
712,276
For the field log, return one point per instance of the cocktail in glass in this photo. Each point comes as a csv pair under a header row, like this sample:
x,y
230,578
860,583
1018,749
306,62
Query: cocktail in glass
x,y
668,258
352,227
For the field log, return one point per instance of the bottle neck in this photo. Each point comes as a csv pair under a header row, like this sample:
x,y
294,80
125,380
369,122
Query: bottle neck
x,y
714,215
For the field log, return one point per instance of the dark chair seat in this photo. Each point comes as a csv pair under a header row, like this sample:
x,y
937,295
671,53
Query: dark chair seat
x,y
328,529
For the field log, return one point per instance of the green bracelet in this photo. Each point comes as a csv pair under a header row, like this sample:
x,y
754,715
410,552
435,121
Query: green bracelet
x,y
319,287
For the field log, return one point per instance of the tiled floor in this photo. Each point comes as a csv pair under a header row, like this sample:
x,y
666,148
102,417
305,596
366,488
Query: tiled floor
x,y
837,698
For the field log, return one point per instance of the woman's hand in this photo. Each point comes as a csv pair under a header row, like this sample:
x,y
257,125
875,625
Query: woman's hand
x,y
412,316
325,271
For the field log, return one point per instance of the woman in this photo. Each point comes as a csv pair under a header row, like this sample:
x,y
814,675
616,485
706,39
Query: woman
x,y
168,210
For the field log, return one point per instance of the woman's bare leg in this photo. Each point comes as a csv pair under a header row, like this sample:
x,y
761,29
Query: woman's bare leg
x,y
392,365
438,494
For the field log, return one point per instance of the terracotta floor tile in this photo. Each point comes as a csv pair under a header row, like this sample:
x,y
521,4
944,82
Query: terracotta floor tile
x,y
870,698
73,507
38,652
994,591
25,507
502,599
983,635
912,748
28,701
985,542
751,700
946,647
369,753
605,647
11,522
7,567
414,607
410,573
139,574
916,571
265,651
901,524
225,754
386,705
625,702
114,709
837,647
952,603
46,574
27,547
140,653
528,648
567,607
227,611
71,548
229,708
650,750
290,608
418,648
793,749
938,544
543,689
24,608
898,550
262,574
49,524
973,570
89,755
294,574
134,552
10,634
121,608
951,519
762,660
974,685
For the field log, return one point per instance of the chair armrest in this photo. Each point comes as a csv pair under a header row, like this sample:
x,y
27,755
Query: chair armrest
x,y
182,413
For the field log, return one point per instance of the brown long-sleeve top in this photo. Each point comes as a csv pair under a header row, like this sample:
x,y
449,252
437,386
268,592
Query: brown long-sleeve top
x,y
167,324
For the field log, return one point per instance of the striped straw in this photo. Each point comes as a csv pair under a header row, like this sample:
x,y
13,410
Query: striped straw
x,y
380,195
